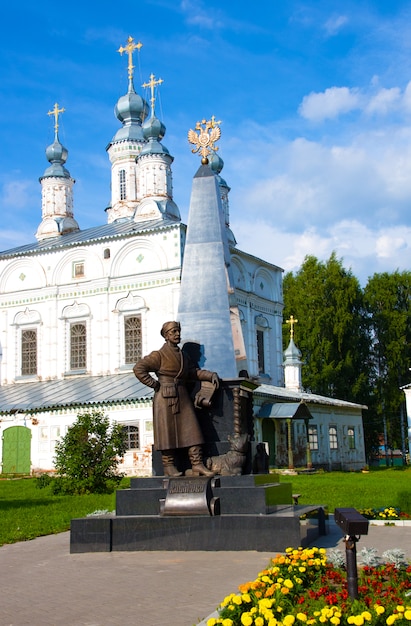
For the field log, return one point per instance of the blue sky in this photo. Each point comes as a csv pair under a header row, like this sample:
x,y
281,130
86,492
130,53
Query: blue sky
x,y
314,99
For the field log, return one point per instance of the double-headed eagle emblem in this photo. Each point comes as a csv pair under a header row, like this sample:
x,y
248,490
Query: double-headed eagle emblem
x,y
208,132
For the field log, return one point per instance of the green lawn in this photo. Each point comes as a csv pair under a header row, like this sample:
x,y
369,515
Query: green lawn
x,y
378,488
27,512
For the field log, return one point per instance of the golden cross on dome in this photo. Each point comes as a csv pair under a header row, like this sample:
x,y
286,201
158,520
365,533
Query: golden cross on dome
x,y
56,112
291,321
208,133
129,48
152,83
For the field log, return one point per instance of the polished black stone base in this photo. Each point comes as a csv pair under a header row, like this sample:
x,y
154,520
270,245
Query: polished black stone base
x,y
264,533
255,514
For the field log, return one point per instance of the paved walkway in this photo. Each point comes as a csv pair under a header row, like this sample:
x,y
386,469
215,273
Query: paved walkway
x,y
42,584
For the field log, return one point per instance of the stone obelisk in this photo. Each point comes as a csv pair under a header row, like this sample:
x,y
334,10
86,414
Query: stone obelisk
x,y
207,293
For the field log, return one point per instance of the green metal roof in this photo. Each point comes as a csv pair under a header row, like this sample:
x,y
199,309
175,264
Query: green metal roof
x,y
72,392
285,410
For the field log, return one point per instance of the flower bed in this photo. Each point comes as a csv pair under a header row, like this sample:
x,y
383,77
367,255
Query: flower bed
x,y
387,514
303,587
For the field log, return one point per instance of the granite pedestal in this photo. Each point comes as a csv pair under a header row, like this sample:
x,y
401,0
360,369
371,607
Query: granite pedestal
x,y
254,513
243,512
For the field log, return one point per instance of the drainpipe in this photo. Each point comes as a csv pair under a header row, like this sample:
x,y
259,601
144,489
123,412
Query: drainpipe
x,y
290,450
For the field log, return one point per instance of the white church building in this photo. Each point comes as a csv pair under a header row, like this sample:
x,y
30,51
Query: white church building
x,y
79,307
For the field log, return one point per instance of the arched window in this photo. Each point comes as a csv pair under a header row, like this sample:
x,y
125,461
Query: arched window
x,y
29,352
351,437
332,432
122,181
78,346
261,336
260,351
132,437
28,339
132,339
313,437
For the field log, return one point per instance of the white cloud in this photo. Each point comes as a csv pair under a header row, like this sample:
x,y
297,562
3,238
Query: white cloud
x,y
363,249
406,99
383,101
296,197
336,101
333,25
11,238
196,15
307,183
303,184
17,194
329,104
393,243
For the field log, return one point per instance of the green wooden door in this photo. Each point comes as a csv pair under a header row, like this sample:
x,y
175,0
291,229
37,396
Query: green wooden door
x,y
16,450
269,436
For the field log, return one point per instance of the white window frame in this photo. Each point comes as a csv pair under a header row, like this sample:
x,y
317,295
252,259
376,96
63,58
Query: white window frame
x,y
26,320
313,437
333,437
77,314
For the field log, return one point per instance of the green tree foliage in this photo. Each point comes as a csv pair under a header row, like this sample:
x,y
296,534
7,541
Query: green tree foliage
x,y
356,343
387,299
88,456
331,331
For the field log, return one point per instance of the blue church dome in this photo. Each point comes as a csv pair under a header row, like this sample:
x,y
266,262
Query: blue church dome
x,y
131,109
153,132
57,155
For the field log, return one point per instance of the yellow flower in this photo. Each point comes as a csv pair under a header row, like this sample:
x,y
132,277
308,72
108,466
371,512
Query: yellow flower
x,y
267,614
265,603
237,600
335,620
400,608
246,597
358,620
391,619
288,583
259,621
246,619
407,614
379,609
227,622
367,616
212,621
289,620
302,617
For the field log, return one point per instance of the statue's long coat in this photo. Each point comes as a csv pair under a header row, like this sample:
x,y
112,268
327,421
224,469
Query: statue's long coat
x,y
174,420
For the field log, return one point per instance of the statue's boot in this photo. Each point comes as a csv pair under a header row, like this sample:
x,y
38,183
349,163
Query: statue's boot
x,y
196,460
169,464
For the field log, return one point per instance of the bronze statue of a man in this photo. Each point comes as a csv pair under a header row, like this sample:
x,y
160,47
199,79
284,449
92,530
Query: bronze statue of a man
x,y
174,419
